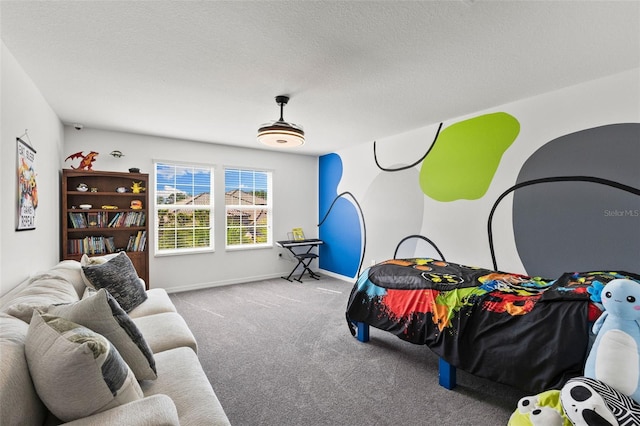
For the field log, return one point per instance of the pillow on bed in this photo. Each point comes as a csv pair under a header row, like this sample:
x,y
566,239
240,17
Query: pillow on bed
x,y
121,279
574,285
76,371
102,314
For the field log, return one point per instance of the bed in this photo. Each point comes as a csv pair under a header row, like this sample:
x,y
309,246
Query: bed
x,y
527,332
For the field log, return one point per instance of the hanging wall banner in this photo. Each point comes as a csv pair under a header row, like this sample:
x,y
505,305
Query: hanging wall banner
x,y
27,187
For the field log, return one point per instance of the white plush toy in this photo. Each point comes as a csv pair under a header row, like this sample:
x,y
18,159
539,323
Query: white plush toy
x,y
615,356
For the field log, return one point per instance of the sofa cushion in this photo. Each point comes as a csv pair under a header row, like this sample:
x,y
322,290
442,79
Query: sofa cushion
x,y
158,301
181,377
166,331
43,290
76,371
20,402
156,410
72,272
102,314
119,276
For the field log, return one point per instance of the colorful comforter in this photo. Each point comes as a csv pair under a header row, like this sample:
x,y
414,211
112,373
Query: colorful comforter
x,y
527,332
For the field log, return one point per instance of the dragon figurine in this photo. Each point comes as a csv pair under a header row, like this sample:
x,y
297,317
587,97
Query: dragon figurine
x,y
87,160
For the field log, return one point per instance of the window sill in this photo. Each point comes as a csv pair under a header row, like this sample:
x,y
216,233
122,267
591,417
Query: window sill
x,y
183,252
249,247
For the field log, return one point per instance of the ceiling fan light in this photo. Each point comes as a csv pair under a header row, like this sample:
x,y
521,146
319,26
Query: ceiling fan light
x,y
280,134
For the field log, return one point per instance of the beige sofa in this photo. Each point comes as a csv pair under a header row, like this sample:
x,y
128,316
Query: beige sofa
x,y
177,393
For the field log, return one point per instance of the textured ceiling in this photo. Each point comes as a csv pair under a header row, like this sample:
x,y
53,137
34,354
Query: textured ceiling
x,y
356,71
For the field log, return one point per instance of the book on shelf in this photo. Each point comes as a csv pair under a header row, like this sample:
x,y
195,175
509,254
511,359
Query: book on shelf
x,y
137,242
78,220
88,220
93,245
97,219
110,245
127,219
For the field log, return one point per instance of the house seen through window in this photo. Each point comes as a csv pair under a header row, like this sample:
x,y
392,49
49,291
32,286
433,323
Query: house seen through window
x,y
247,199
184,208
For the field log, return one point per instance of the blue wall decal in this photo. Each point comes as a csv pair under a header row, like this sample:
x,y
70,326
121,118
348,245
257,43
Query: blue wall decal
x,y
340,231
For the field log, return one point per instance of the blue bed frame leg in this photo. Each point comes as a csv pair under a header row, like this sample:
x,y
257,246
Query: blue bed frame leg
x,y
363,331
446,371
446,374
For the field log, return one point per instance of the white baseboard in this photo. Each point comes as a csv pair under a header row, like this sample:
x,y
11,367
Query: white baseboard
x,y
211,284
200,286
337,276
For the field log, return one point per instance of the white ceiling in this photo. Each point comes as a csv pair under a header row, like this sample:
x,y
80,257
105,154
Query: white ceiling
x,y
356,71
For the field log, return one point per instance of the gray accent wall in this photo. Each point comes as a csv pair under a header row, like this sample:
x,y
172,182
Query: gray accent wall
x,y
564,226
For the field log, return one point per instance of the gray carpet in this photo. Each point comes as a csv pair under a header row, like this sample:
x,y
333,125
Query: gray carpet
x,y
280,353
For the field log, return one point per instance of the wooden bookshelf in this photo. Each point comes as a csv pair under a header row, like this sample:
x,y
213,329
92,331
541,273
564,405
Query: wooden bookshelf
x,y
111,224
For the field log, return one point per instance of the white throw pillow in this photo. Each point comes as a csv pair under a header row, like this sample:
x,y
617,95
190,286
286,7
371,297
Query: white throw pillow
x,y
76,371
20,402
102,314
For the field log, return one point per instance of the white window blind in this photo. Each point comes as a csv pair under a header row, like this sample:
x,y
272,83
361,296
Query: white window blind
x,y
248,208
184,208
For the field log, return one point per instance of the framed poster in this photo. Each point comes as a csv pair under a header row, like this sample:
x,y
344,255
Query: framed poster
x,y
27,187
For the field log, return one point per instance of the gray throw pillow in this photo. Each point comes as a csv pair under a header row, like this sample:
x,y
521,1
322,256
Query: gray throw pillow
x,y
76,371
93,260
102,314
121,279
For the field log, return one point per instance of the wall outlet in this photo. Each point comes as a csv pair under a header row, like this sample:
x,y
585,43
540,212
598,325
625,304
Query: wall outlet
x,y
373,262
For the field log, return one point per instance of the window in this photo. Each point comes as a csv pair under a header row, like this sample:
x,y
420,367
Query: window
x,y
184,208
247,200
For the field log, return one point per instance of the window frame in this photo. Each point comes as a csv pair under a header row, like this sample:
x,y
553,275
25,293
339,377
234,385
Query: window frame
x,y
157,207
250,207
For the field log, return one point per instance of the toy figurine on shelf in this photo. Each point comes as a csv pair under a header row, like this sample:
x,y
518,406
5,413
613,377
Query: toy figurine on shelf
x,y
136,204
87,160
137,188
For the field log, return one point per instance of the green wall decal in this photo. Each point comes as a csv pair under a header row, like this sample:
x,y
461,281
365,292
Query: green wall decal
x,y
466,156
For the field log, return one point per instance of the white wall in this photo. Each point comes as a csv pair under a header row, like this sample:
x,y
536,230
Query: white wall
x,y
294,191
24,108
612,99
460,228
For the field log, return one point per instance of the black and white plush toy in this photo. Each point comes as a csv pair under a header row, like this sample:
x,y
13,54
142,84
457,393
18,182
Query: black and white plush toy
x,y
590,402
